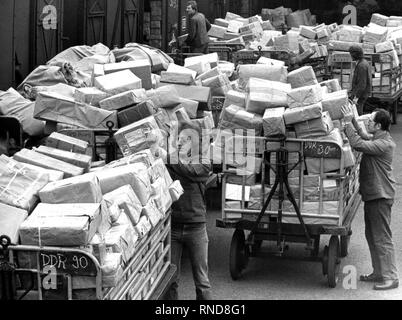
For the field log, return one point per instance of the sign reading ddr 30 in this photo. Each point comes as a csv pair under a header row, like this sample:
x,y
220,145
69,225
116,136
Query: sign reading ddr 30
x,y
322,149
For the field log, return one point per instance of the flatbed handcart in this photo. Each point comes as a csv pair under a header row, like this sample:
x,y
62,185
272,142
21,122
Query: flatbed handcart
x,y
28,269
275,219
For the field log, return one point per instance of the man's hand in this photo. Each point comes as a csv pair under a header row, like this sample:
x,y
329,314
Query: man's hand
x,y
348,115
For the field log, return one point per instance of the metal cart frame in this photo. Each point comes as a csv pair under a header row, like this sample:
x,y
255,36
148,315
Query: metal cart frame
x,y
137,278
268,225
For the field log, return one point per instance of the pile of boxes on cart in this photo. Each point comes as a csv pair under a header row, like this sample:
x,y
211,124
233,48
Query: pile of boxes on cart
x,y
271,102
56,194
305,38
382,40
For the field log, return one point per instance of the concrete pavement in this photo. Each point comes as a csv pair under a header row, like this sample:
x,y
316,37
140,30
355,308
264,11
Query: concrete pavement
x,y
275,278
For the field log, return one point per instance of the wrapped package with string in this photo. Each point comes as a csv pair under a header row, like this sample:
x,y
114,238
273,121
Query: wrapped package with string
x,y
236,98
161,195
304,96
76,159
219,85
234,117
126,200
143,227
333,103
19,185
61,224
80,189
121,239
63,142
266,72
40,160
273,122
332,85
123,100
140,135
144,156
304,76
314,128
152,212
300,114
136,175
263,94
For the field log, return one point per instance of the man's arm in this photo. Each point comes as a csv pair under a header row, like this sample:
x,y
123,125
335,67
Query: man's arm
x,y
194,171
191,29
374,147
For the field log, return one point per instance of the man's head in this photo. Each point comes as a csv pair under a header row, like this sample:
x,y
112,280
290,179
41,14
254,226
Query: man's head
x,y
192,7
189,138
379,120
356,52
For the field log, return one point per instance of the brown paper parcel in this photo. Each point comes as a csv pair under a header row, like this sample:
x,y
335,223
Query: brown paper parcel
x,y
333,103
123,100
38,159
54,107
76,159
273,122
80,189
315,128
126,199
61,224
300,114
304,96
136,175
63,142
19,185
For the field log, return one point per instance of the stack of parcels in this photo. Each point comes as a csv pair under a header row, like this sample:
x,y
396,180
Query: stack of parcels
x,y
299,107
105,213
235,28
342,68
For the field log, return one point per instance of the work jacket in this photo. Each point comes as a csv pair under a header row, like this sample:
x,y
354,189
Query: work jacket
x,y
191,207
376,177
362,80
198,27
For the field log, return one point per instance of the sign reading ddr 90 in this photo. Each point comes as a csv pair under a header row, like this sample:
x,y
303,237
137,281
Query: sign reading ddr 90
x,y
318,149
73,263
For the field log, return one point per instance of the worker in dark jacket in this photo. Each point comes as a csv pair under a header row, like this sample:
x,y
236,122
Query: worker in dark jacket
x,y
362,78
197,27
189,212
377,188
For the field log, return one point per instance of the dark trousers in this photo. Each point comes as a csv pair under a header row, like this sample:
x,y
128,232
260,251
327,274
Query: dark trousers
x,y
377,217
195,238
360,105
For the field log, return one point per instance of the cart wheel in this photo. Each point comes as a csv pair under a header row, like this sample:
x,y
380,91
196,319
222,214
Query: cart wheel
x,y
325,261
238,254
344,246
333,261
